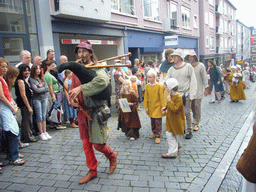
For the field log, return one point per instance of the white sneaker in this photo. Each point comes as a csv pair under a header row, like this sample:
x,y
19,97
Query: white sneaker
x,y
47,135
43,137
132,138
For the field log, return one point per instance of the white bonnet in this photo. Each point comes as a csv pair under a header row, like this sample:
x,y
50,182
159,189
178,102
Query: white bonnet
x,y
152,71
171,83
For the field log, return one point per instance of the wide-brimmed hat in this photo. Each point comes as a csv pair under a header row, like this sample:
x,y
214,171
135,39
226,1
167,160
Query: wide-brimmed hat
x,y
171,83
179,53
84,44
191,53
233,67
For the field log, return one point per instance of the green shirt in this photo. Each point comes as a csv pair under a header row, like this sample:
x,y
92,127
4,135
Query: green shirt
x,y
51,80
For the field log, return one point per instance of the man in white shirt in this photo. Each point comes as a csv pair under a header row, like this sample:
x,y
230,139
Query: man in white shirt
x,y
25,58
202,85
185,75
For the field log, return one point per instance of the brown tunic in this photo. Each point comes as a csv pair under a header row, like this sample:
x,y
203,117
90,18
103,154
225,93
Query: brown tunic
x,y
130,122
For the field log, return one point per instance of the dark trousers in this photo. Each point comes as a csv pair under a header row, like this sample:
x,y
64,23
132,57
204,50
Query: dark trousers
x,y
12,146
156,126
26,125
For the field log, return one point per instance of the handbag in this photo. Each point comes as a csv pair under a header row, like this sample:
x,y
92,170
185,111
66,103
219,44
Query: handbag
x,y
55,112
103,113
246,164
184,99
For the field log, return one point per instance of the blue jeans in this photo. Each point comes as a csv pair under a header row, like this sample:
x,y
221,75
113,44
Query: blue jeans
x,y
12,146
40,106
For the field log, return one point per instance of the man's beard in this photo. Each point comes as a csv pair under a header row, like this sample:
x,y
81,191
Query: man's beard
x,y
85,60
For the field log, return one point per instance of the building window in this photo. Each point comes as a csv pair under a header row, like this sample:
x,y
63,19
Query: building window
x,y
225,26
254,58
172,11
211,2
211,42
185,17
254,49
12,16
211,19
195,21
207,42
225,8
226,43
151,9
123,6
206,18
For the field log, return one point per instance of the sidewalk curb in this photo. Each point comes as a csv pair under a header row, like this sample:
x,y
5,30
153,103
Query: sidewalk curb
x,y
218,176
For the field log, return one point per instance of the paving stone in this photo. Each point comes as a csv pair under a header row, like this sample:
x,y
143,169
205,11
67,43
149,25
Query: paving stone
x,y
157,190
131,177
139,183
34,175
93,187
157,184
4,185
47,189
33,181
105,181
48,183
122,183
139,189
63,190
62,184
31,188
124,189
16,187
106,188
170,185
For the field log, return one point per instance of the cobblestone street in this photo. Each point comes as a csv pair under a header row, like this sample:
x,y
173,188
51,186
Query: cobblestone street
x,y
59,164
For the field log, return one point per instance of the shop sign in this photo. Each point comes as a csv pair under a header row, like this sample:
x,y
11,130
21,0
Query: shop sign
x,y
93,42
171,40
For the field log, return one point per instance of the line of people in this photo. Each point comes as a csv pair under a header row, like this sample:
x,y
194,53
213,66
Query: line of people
x,y
176,90
36,92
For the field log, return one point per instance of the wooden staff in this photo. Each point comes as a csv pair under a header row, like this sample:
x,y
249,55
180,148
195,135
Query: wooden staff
x,y
116,57
108,59
106,66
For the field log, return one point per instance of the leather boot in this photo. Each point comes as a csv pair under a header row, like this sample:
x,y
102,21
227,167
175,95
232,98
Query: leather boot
x,y
90,175
113,163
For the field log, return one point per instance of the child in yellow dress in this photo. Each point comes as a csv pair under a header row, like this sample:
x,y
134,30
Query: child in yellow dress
x,y
153,103
175,119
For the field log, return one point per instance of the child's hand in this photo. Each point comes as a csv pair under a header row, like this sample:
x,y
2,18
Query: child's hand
x,y
130,104
147,111
163,110
169,98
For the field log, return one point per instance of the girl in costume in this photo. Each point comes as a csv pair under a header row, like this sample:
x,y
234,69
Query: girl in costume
x,y
129,122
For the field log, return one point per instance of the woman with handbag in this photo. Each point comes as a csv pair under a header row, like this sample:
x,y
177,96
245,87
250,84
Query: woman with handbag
x,y
53,86
24,95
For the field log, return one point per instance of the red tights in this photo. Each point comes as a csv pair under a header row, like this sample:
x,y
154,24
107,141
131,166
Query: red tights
x,y
91,160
